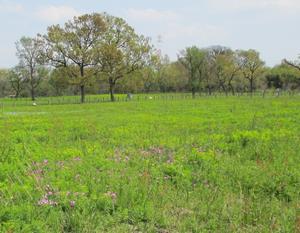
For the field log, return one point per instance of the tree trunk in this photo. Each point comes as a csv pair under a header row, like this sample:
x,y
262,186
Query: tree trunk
x,y
32,94
193,93
226,92
82,94
251,86
32,85
17,94
232,89
111,91
223,88
209,90
82,91
18,90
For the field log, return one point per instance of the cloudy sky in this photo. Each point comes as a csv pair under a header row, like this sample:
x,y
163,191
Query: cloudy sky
x,y
269,26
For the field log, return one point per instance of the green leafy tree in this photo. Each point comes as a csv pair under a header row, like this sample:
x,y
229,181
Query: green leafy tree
x,y
174,78
59,81
4,82
227,69
193,59
17,79
251,65
74,48
122,52
283,76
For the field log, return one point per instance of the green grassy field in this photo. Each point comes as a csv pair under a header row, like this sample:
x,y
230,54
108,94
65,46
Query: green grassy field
x,y
205,165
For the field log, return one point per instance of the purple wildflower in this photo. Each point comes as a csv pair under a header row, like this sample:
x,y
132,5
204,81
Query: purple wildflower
x,y
72,204
45,162
112,195
46,202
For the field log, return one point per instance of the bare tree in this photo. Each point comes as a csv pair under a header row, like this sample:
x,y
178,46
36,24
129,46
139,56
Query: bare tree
x,y
292,64
29,54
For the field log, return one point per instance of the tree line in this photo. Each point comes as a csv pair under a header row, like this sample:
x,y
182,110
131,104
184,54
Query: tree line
x,y
100,53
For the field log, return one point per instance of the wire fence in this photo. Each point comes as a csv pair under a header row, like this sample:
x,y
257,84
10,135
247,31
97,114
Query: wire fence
x,y
64,100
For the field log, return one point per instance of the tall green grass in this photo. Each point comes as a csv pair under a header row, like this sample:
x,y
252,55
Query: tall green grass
x,y
205,165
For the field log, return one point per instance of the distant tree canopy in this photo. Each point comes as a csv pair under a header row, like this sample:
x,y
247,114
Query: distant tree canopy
x,y
193,59
251,66
99,53
218,67
4,83
284,77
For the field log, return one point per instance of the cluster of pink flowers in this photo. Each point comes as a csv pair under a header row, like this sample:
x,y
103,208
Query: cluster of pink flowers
x,y
78,159
45,162
45,201
170,159
38,172
119,157
72,204
112,195
157,150
38,169
161,152
37,164
60,164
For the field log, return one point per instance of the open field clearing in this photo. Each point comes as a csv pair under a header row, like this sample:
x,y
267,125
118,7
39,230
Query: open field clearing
x,y
204,165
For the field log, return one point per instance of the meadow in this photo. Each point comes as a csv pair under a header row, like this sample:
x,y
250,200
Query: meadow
x,y
211,164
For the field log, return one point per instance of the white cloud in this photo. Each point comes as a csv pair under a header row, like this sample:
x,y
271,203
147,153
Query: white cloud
x,y
8,7
174,29
151,15
256,4
202,33
56,14
172,25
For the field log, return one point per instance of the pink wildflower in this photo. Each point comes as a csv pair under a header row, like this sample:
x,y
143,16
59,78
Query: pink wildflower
x,y
45,201
112,195
38,172
72,204
60,163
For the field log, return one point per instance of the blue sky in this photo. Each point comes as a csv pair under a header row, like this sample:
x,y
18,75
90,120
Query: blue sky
x,y
269,26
